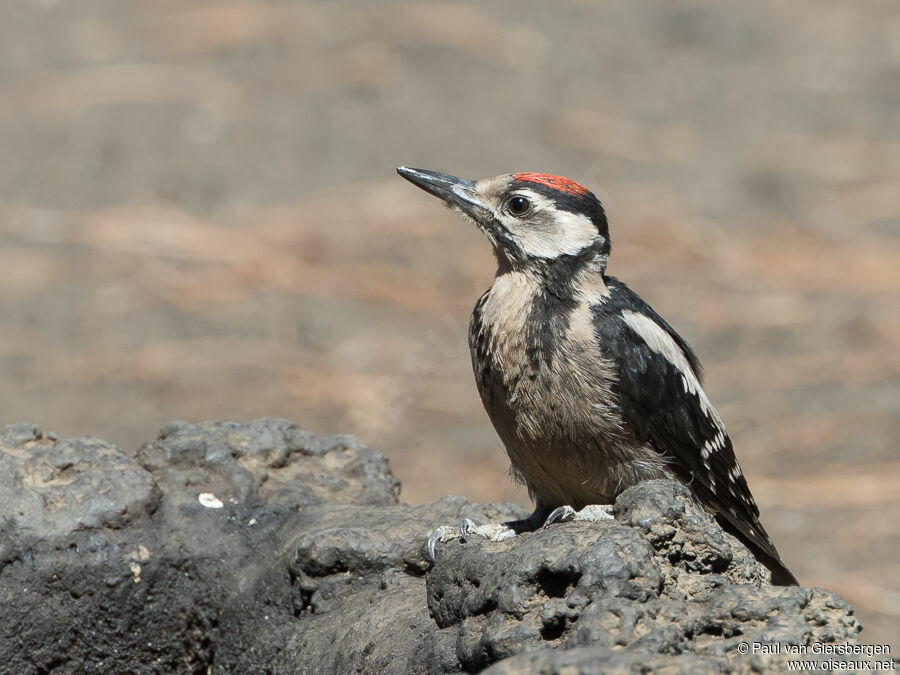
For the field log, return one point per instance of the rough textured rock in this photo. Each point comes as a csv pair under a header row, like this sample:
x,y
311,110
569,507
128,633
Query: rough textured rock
x,y
259,547
660,579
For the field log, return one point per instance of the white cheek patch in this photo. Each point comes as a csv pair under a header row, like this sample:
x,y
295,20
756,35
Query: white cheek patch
x,y
551,233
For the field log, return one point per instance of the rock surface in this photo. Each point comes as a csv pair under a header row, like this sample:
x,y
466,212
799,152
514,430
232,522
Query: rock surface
x,y
259,547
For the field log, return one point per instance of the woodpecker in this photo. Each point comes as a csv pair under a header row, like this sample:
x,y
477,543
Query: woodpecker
x,y
589,389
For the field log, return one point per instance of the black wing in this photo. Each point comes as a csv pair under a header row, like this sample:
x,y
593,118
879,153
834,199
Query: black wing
x,y
665,407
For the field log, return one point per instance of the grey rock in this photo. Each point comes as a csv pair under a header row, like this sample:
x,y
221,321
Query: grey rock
x,y
260,547
53,488
660,579
603,661
113,564
268,461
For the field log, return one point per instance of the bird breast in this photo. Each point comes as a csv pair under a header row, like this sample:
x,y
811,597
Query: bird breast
x,y
538,357
547,389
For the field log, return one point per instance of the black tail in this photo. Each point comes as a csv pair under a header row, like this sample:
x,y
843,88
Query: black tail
x,y
767,555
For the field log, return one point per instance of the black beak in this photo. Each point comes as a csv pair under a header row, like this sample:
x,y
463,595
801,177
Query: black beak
x,y
455,191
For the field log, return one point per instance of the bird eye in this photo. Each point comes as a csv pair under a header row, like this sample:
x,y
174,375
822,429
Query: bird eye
x,y
518,205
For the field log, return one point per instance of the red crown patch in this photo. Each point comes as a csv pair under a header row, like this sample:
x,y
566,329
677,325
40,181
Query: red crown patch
x,y
553,182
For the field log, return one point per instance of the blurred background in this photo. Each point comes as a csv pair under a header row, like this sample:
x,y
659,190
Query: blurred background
x,y
200,219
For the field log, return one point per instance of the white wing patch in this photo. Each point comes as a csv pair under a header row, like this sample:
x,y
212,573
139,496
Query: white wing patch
x,y
662,343
659,341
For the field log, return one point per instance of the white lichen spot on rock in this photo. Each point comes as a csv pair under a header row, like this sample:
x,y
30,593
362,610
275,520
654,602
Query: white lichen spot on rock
x,y
140,554
209,500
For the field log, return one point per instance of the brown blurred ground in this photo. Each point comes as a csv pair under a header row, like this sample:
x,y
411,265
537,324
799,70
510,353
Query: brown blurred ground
x,y
199,219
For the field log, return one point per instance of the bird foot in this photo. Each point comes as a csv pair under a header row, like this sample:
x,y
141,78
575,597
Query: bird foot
x,y
465,528
590,513
503,531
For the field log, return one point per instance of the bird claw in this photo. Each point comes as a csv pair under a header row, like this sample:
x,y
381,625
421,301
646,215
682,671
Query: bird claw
x,y
590,513
465,528
561,514
433,539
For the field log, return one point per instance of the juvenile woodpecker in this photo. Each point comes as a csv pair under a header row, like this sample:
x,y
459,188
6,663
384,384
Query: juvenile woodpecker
x,y
589,389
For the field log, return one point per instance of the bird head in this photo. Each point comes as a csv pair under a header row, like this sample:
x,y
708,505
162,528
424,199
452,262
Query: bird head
x,y
534,221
